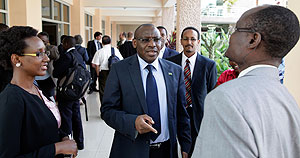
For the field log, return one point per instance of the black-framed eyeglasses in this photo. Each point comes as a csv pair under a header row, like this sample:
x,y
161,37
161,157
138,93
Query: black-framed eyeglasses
x,y
147,40
37,54
241,29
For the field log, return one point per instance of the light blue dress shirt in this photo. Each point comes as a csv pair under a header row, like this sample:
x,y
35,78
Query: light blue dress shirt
x,y
162,96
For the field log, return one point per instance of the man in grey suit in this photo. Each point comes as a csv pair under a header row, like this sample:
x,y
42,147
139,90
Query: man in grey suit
x,y
144,102
254,115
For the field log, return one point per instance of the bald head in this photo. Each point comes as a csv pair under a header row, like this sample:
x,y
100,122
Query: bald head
x,y
278,26
141,27
147,42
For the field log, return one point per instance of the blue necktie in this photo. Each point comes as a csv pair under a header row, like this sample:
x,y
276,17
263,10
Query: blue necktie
x,y
152,102
99,46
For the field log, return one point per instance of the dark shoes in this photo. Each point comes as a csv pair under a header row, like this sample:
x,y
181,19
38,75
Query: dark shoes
x,y
80,146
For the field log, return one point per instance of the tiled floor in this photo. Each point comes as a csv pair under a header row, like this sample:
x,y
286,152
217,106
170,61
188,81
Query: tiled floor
x,y
97,135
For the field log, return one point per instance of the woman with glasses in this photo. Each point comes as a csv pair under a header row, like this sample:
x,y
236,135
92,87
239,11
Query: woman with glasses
x,y
29,122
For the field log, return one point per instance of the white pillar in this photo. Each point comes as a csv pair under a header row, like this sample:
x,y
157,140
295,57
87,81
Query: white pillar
x,y
188,14
292,75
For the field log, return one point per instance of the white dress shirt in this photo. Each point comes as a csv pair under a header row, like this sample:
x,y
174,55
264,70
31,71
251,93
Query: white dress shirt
x,y
192,60
102,55
161,52
96,43
162,96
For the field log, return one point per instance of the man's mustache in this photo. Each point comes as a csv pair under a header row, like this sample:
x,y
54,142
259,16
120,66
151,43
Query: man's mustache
x,y
188,45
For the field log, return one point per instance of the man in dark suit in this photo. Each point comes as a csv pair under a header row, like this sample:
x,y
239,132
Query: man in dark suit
x,y
127,48
144,102
200,75
165,52
92,47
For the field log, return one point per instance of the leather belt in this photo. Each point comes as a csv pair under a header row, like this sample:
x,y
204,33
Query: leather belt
x,y
158,145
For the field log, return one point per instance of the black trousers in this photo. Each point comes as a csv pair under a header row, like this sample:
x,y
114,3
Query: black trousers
x,y
101,82
71,120
94,78
162,152
194,133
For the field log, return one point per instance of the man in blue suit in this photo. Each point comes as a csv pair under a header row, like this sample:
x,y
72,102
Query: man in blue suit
x,y
144,101
200,77
165,52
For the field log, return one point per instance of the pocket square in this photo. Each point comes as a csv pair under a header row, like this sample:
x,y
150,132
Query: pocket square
x,y
170,74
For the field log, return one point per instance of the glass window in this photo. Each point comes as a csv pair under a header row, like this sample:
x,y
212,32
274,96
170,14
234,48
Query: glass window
x,y
66,13
87,38
57,11
46,9
219,2
2,18
86,20
91,21
91,34
2,4
103,26
66,29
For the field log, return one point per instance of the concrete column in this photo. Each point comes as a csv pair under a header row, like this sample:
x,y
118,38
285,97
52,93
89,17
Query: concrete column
x,y
25,13
157,21
107,26
291,80
188,14
77,20
114,36
168,17
97,21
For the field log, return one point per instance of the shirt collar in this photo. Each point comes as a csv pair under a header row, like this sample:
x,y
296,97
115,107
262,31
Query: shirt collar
x,y
244,72
143,63
107,45
161,52
70,49
192,59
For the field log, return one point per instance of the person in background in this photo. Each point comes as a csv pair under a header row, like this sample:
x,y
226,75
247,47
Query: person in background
x,y
122,39
47,83
60,46
29,122
92,47
101,61
200,75
6,75
254,116
144,102
165,52
281,69
229,74
127,48
69,109
81,50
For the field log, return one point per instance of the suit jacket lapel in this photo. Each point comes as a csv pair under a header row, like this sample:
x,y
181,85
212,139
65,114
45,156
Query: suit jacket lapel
x,y
197,68
178,59
168,76
136,79
166,53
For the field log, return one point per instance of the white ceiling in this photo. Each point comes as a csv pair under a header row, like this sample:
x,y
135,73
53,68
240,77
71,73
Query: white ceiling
x,y
129,11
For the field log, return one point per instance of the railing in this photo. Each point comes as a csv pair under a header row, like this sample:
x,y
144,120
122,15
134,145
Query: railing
x,y
223,11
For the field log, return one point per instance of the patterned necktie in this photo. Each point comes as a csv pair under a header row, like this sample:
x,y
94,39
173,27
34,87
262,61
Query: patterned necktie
x,y
188,83
152,102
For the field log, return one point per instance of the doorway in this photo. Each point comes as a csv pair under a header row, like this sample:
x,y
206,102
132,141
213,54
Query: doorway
x,y
53,31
